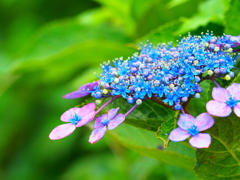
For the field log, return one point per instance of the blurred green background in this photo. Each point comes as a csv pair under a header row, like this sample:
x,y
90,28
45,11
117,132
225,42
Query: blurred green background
x,y
50,48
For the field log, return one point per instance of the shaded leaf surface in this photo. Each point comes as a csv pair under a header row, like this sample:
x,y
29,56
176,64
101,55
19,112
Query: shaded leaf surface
x,y
148,115
145,143
163,34
67,47
222,159
165,129
237,79
206,13
232,19
198,106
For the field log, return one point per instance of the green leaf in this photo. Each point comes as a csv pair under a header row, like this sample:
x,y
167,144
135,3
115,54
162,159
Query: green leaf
x,y
198,106
152,14
237,79
149,115
145,143
119,11
174,3
66,48
163,34
209,11
95,16
236,68
139,7
232,21
58,37
99,163
165,129
222,159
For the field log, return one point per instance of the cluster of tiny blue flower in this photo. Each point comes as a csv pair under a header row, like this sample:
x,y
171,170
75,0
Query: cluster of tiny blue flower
x,y
165,74
170,73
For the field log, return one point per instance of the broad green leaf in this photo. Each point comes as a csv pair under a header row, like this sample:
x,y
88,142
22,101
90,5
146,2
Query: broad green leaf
x,y
148,168
209,11
149,115
7,81
119,11
60,36
99,163
236,68
237,79
94,17
145,143
232,21
198,106
139,8
222,159
163,34
153,14
67,48
165,128
174,3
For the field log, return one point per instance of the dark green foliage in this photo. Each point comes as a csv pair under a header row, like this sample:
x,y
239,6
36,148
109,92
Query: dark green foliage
x,y
222,159
146,116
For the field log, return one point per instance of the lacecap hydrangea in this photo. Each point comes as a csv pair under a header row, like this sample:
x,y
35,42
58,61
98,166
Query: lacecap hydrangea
x,y
167,74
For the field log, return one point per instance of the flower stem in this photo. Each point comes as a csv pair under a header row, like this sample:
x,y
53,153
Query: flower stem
x,y
183,111
115,97
131,110
215,83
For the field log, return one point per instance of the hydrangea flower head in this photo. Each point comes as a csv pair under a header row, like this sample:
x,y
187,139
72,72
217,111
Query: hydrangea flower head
x,y
224,101
189,126
104,122
169,73
76,117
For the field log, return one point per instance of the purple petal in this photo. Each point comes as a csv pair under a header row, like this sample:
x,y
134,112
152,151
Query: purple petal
x,y
237,109
89,86
116,121
220,94
99,120
186,121
85,119
69,114
97,134
62,131
201,140
84,90
76,94
219,109
236,41
178,134
112,113
234,90
204,121
88,108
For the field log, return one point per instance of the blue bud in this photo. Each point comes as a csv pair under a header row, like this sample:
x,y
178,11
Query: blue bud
x,y
130,100
178,107
223,70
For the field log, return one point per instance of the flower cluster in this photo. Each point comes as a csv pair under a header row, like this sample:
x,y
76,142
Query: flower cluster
x,y
166,73
170,73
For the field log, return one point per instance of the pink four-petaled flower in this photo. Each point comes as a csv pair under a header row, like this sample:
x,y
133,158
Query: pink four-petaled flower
x,y
104,122
224,101
189,126
76,117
